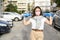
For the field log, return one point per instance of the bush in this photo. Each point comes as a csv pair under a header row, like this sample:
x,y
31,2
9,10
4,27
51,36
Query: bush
x,y
21,11
11,8
58,3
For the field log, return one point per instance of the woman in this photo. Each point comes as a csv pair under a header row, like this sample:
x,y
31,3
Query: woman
x,y
37,21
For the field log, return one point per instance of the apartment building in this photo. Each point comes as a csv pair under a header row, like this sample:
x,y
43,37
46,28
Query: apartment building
x,y
21,4
44,4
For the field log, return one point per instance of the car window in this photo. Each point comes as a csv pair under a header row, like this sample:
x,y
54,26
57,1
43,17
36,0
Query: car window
x,y
14,13
6,13
58,13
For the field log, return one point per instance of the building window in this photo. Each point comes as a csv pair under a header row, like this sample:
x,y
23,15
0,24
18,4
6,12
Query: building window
x,y
21,8
22,4
13,2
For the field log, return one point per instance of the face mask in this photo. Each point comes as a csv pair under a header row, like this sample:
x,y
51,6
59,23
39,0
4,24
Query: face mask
x,y
37,13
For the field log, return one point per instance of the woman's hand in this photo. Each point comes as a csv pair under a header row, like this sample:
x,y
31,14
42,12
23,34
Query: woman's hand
x,y
25,21
49,21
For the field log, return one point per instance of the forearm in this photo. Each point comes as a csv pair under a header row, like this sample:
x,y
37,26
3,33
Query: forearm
x,y
50,21
24,21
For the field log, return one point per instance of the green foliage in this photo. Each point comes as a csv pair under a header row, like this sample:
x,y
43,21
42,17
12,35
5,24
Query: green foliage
x,y
3,0
47,11
11,8
58,3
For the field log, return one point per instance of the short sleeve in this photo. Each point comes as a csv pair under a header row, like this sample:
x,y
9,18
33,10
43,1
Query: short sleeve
x,y
44,19
30,20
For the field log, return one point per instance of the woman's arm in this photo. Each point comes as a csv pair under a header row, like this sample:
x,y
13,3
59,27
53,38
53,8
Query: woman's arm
x,y
26,22
49,21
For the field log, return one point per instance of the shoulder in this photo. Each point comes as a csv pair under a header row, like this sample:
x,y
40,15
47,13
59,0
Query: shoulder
x,y
43,18
31,19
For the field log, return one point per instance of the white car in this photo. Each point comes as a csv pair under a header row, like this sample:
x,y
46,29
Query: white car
x,y
12,15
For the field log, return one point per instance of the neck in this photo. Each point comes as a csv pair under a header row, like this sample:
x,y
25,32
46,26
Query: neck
x,y
38,15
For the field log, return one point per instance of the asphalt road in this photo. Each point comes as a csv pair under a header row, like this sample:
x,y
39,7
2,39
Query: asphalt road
x,y
22,32
51,33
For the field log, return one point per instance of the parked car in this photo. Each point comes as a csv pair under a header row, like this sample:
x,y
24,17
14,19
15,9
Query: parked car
x,y
48,14
4,27
12,15
56,20
8,20
26,14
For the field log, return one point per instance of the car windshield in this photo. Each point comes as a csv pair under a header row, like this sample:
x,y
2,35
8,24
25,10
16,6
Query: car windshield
x,y
58,13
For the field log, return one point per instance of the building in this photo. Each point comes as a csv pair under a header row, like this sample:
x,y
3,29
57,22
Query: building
x,y
21,4
44,4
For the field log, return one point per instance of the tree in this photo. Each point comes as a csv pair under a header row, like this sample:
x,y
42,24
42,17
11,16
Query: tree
x,y
58,2
11,8
3,0
28,7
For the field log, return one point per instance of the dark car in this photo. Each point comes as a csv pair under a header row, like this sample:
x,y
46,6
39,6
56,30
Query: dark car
x,y
56,20
4,27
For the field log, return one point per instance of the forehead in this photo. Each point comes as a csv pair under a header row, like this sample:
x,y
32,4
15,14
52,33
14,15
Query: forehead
x,y
37,9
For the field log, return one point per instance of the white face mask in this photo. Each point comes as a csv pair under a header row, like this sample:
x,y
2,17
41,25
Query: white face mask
x,y
37,13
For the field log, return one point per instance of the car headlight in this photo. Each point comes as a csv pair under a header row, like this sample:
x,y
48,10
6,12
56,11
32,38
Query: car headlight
x,y
10,22
3,25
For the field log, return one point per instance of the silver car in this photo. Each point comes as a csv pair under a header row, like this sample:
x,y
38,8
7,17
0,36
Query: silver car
x,y
56,20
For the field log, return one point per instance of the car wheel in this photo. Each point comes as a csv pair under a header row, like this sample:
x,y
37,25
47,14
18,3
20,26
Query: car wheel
x,y
22,18
16,19
12,25
53,24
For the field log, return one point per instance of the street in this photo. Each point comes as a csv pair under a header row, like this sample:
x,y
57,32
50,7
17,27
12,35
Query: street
x,y
21,32
50,33
23,10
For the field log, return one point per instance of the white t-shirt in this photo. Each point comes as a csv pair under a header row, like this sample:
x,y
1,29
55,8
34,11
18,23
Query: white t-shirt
x,y
38,22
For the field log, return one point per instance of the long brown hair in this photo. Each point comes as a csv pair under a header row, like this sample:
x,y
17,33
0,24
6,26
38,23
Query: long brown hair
x,y
33,12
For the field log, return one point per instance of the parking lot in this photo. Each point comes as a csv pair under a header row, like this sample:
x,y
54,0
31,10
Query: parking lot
x,y
21,32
